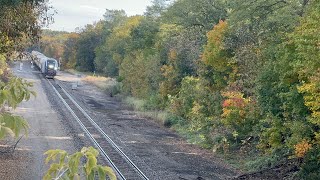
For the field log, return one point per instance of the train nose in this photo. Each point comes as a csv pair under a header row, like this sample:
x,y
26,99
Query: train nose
x,y
52,72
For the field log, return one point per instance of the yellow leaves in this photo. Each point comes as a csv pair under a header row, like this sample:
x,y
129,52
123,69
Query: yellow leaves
x,y
15,91
311,96
173,54
167,31
68,166
217,34
302,148
123,31
214,54
234,99
170,84
117,58
73,35
196,109
317,138
226,112
53,44
232,94
3,64
167,70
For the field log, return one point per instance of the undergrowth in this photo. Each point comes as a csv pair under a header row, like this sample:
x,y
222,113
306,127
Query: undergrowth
x,y
252,161
142,109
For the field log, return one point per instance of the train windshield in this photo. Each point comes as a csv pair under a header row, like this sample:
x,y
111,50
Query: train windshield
x,y
51,64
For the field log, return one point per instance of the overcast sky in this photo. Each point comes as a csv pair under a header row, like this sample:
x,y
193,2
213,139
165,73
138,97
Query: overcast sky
x,y
77,13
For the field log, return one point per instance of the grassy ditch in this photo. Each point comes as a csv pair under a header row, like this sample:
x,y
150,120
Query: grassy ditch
x,y
140,106
103,83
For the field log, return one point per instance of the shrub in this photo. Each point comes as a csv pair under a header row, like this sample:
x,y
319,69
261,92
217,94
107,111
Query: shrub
x,y
311,167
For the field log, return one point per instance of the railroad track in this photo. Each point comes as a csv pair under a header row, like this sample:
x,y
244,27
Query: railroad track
x,y
118,160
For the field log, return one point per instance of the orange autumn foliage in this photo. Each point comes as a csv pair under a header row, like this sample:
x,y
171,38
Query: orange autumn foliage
x,y
302,148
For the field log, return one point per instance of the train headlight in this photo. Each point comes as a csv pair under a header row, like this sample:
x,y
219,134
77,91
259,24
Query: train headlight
x,y
51,66
55,68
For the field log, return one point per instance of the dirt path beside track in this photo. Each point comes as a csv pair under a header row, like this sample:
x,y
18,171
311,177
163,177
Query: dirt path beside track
x,y
47,131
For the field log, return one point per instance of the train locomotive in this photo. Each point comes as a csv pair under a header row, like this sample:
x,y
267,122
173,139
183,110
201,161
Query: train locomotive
x,y
47,66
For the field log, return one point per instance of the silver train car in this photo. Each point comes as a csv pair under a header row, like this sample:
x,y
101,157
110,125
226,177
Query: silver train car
x,y
47,66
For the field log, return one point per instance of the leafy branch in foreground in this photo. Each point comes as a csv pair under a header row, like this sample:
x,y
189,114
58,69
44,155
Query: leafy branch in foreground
x,y
65,166
12,93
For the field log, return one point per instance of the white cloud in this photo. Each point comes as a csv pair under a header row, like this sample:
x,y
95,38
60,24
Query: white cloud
x,y
92,9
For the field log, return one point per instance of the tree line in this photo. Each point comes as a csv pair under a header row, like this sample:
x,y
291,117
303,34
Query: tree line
x,y
238,77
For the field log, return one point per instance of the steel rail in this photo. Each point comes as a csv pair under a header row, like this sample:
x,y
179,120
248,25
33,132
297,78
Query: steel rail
x,y
111,142
88,133
106,136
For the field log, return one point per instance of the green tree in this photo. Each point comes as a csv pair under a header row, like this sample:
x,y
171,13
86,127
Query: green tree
x,y
195,13
257,28
119,40
89,39
52,43
104,61
305,40
157,8
69,51
141,73
217,57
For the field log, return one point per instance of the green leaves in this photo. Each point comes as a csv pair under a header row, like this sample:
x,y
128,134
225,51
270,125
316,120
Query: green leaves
x,y
10,124
71,166
104,170
15,91
3,129
11,94
195,13
55,168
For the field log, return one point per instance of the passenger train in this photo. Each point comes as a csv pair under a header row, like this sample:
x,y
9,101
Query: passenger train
x,y
47,66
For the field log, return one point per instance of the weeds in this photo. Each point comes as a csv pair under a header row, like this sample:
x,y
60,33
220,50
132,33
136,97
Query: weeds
x,y
142,110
